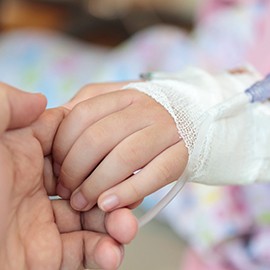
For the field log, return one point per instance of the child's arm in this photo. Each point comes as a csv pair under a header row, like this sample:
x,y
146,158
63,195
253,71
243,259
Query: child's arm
x,y
105,139
109,137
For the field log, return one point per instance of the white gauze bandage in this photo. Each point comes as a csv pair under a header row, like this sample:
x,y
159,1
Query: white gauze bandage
x,y
227,144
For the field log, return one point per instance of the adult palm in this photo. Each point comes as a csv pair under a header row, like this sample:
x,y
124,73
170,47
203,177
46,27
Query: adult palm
x,y
36,233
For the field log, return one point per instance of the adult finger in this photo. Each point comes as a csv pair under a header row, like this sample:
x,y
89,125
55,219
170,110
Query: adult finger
x,y
49,179
92,244
66,219
45,128
18,108
90,250
120,224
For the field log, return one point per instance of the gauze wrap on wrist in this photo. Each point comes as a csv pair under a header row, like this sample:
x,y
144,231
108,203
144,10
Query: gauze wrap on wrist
x,y
226,145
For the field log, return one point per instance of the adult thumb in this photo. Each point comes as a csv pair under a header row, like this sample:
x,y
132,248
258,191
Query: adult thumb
x,y
19,109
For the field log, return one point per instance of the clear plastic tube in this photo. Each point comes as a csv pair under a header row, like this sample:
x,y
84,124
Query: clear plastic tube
x,y
153,212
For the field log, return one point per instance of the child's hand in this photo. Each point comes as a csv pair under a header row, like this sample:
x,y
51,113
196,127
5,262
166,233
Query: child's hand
x,y
105,139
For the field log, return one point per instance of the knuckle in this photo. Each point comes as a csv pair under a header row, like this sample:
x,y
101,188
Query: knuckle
x,y
165,173
135,193
80,109
71,177
89,89
95,89
95,136
68,178
128,155
132,92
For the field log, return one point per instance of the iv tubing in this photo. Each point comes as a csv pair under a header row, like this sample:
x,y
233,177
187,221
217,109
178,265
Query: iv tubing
x,y
148,216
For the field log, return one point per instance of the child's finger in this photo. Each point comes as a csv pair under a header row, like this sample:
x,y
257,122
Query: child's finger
x,y
93,90
164,169
84,115
97,141
131,154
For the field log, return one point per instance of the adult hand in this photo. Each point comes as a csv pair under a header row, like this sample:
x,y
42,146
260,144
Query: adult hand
x,y
107,138
36,233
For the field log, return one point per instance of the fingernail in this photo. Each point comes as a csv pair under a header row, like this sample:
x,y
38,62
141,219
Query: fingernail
x,y
109,203
78,201
63,191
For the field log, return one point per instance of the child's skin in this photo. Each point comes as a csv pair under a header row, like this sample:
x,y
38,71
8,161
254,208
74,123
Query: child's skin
x,y
109,136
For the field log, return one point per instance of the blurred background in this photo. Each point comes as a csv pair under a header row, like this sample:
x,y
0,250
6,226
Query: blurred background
x,y
92,20
60,45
